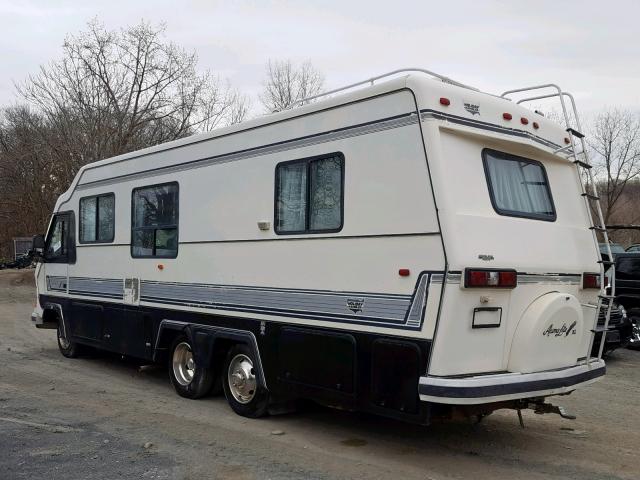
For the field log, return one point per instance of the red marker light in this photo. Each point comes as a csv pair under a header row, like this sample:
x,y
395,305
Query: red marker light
x,y
566,140
524,121
535,125
404,272
444,101
507,116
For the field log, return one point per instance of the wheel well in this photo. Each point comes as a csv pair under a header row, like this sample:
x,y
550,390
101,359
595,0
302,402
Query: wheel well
x,y
49,315
210,345
221,347
166,336
218,347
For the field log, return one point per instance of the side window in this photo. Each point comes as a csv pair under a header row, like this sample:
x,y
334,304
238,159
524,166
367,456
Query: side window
x,y
309,195
60,243
154,221
97,219
57,243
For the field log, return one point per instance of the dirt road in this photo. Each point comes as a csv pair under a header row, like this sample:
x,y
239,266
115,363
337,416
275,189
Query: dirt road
x,y
105,418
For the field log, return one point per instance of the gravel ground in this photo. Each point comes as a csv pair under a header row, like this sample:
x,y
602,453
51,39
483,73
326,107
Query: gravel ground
x,y
104,418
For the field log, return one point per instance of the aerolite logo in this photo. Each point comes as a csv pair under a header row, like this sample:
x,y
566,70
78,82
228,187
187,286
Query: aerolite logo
x,y
560,331
355,304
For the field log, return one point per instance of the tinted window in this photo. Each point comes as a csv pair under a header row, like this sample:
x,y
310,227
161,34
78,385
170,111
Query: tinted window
x,y
518,187
628,268
154,229
97,218
325,197
309,196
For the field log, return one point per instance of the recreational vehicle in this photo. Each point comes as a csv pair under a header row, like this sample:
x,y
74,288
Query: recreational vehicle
x,y
407,246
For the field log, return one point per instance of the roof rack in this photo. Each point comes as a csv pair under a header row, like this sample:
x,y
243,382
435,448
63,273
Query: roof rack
x,y
372,80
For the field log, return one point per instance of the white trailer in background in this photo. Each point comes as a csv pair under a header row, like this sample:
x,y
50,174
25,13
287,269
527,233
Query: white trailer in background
x,y
404,248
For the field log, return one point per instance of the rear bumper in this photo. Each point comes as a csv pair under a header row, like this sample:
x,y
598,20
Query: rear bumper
x,y
481,389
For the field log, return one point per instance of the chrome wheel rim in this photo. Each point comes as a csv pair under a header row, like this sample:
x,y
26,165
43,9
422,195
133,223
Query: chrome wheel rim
x,y
242,379
64,343
184,367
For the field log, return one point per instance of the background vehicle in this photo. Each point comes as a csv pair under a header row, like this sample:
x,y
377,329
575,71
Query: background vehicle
x,y
616,248
620,331
627,271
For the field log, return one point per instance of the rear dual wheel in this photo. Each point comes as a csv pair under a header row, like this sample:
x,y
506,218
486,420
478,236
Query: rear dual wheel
x,y
238,377
240,382
188,379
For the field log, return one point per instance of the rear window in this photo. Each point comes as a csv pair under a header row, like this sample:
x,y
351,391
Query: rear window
x,y
518,187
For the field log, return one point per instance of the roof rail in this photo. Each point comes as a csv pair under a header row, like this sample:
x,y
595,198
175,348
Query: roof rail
x,y
384,75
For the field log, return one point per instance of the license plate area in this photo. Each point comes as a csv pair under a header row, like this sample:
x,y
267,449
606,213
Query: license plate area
x,y
487,317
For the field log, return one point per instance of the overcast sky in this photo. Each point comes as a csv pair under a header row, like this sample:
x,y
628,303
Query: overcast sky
x,y
591,48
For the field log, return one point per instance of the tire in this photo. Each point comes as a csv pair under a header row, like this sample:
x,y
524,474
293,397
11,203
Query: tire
x,y
635,333
239,381
68,348
188,379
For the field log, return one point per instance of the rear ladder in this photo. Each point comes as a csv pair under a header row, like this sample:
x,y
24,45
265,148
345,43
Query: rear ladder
x,y
583,165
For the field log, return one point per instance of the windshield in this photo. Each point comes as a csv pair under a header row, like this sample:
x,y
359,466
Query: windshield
x,y
615,248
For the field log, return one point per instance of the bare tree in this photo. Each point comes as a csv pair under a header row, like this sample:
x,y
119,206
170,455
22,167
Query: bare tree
x,y
286,84
110,93
117,91
28,175
615,142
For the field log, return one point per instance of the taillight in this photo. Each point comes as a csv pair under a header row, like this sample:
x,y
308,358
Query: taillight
x,y
591,280
486,278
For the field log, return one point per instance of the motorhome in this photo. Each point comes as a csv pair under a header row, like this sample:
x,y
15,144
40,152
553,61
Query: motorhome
x,y
406,246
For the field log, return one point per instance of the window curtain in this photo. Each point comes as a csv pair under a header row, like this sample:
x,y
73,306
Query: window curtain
x,y
292,197
519,186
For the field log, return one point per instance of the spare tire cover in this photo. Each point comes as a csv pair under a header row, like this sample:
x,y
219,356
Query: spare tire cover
x,y
549,334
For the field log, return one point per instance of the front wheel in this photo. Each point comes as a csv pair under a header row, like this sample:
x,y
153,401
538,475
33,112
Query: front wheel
x,y
245,396
67,347
189,379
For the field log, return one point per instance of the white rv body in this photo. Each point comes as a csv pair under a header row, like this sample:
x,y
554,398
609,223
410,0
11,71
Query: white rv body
x,y
387,286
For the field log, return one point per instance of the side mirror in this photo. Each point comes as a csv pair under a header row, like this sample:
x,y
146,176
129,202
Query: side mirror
x,y
37,245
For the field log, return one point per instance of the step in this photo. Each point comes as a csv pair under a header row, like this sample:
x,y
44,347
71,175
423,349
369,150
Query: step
x,y
582,164
590,196
600,329
575,133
